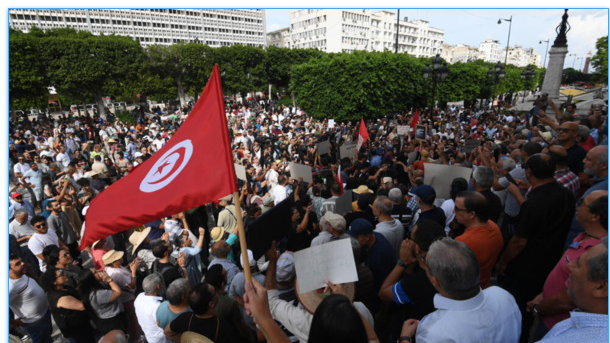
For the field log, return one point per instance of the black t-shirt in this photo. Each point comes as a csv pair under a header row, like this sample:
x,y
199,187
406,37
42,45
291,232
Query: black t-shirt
x,y
436,215
544,220
576,154
420,292
217,330
68,321
350,217
168,271
494,205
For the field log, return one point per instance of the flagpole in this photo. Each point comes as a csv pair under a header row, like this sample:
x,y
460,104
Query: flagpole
x,y
242,238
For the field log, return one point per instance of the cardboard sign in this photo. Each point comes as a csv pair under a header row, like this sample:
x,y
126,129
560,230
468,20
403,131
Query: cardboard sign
x,y
333,261
344,203
300,170
348,150
471,144
269,226
331,123
402,130
440,176
240,172
323,148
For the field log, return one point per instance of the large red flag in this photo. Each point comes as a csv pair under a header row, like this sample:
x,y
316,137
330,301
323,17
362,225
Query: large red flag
x,y
340,178
363,135
195,167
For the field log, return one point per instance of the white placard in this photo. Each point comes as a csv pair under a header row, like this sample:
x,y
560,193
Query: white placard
x,y
323,148
333,261
300,170
240,172
348,150
402,130
331,123
440,176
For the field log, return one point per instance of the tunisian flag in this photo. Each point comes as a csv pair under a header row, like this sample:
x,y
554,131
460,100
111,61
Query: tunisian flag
x,y
363,135
415,120
195,167
340,178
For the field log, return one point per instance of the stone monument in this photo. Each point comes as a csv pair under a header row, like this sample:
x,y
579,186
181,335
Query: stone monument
x,y
557,56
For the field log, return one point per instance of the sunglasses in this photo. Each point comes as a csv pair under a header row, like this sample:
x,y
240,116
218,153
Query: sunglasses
x,y
40,225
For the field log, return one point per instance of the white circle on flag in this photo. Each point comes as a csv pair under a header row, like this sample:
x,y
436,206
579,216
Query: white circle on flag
x,y
167,167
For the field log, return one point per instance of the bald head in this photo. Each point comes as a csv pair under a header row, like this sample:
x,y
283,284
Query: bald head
x,y
566,133
221,249
596,161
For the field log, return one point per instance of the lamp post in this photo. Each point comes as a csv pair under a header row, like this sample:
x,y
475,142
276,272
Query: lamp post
x,y
508,40
546,51
439,72
573,59
527,76
495,75
582,59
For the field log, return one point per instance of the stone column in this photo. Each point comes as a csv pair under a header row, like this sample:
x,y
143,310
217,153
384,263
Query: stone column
x,y
554,72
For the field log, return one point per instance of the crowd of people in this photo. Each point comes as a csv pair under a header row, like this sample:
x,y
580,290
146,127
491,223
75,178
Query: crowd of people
x,y
515,253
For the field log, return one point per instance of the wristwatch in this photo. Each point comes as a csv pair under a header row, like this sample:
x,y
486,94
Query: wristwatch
x,y
534,310
400,263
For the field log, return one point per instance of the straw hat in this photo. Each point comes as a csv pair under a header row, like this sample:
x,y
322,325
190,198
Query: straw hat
x,y
193,337
111,256
217,233
137,237
363,189
311,300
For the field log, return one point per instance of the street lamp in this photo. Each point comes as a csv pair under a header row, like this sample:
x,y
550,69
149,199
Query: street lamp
x,y
439,72
527,76
508,40
573,59
495,75
546,51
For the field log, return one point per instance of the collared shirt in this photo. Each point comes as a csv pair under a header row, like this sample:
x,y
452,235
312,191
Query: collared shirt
x,y
580,327
569,180
19,230
16,205
227,265
490,316
146,311
557,280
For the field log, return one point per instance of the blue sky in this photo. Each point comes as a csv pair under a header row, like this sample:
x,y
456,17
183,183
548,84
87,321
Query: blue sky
x,y
471,26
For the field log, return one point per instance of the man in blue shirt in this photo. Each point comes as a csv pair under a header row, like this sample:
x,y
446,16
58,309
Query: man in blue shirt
x,y
193,262
588,288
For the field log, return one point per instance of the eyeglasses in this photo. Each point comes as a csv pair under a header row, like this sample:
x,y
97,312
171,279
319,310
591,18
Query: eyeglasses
x,y
40,225
457,209
410,237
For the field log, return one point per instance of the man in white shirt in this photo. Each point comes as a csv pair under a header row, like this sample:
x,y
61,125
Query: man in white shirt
x,y
146,305
465,313
28,302
63,157
41,238
279,191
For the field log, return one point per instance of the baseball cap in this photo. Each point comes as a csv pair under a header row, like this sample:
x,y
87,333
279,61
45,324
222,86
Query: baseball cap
x,y
360,227
335,220
425,192
16,195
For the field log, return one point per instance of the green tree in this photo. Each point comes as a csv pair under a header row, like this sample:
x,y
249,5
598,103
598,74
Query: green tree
x,y
87,67
600,59
242,68
28,81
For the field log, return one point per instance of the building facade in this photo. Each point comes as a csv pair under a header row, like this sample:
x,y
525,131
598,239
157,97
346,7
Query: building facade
x,y
214,27
415,38
348,30
279,38
460,53
491,51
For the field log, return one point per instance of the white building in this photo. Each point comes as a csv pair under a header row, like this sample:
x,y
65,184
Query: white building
x,y
416,37
214,27
279,38
347,30
520,57
330,30
460,53
491,51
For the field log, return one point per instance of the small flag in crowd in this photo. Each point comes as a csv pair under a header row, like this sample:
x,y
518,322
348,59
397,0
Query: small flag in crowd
x,y
363,135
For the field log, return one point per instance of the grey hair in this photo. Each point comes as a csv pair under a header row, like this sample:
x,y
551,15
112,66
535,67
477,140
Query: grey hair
x,y
384,204
598,264
149,284
455,266
508,164
583,132
176,290
484,176
395,194
20,211
602,156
